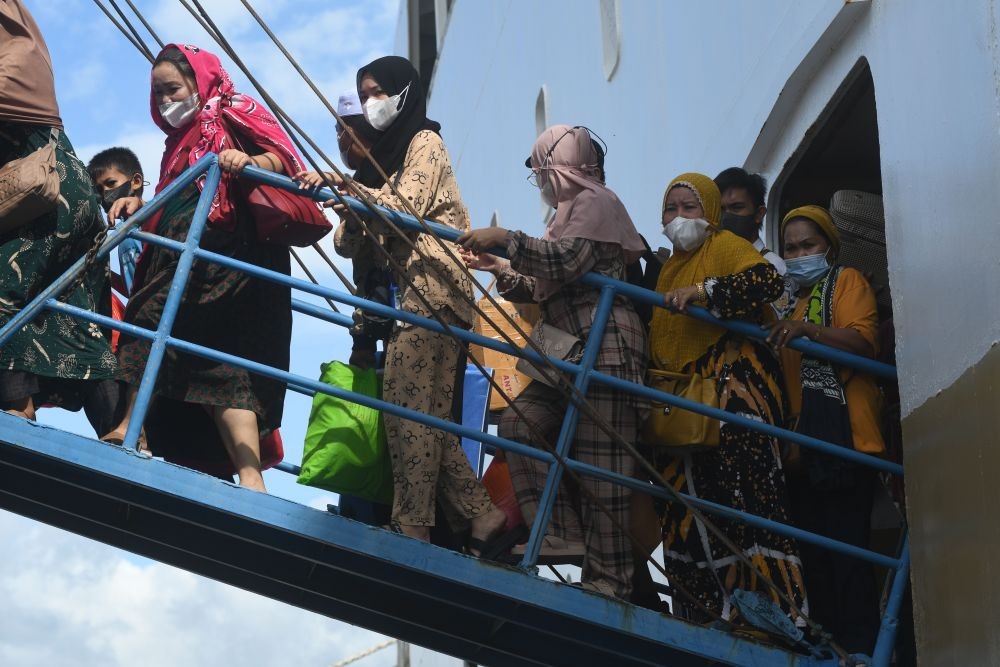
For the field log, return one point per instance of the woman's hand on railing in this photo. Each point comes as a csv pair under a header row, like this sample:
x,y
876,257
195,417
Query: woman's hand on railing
x,y
678,299
309,180
122,209
785,331
482,240
232,161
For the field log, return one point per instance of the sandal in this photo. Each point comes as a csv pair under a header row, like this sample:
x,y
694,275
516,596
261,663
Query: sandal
x,y
498,546
117,437
555,551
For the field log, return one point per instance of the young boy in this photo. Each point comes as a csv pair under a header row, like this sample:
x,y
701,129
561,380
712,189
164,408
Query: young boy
x,y
116,173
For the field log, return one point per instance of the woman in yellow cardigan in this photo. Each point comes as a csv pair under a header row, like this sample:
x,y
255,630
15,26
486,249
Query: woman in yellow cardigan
x,y
835,306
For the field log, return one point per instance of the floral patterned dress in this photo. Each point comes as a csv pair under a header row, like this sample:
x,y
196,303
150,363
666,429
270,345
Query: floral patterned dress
x,y
59,349
744,472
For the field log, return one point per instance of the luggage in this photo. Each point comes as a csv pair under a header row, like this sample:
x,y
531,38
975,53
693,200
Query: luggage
x,y
860,217
345,449
507,377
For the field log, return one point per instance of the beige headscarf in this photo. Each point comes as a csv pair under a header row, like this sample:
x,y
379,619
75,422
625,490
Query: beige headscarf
x,y
587,208
27,85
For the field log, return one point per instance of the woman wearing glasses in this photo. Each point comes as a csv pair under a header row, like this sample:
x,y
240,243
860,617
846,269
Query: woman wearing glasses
x,y
591,231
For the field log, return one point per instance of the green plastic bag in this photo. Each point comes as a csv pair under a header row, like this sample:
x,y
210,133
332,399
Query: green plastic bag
x,y
345,447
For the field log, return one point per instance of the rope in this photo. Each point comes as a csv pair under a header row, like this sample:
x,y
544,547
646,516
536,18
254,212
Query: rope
x,y
308,273
149,28
286,121
364,654
576,395
138,45
579,400
135,33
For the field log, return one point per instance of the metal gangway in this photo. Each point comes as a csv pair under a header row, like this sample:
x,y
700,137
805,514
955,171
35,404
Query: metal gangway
x,y
453,603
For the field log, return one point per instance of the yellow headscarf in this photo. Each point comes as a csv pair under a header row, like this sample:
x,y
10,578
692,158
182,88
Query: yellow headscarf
x,y
675,340
821,217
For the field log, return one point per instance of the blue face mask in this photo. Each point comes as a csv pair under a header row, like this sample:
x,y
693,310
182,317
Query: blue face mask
x,y
807,270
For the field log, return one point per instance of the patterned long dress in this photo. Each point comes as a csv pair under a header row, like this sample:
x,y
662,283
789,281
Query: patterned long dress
x,y
52,357
743,472
608,564
223,309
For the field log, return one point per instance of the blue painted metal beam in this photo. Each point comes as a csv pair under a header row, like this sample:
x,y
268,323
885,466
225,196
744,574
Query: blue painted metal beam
x,y
573,369
465,431
363,575
651,297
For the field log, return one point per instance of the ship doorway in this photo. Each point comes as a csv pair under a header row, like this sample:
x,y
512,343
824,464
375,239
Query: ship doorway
x,y
838,167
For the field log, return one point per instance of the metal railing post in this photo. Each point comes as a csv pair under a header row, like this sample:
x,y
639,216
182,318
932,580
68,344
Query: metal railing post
x,y
568,430
886,641
159,345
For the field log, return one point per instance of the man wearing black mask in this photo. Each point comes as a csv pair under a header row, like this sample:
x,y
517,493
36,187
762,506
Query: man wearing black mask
x,y
743,212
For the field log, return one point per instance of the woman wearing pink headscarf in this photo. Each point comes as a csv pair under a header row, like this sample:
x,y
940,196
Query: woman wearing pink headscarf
x,y
590,231
198,402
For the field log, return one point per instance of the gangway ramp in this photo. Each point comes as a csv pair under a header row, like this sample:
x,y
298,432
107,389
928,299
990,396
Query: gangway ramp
x,y
449,602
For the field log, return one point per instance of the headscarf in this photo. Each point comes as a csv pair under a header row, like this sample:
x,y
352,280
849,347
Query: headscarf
x,y
209,134
587,208
675,339
821,217
27,84
393,74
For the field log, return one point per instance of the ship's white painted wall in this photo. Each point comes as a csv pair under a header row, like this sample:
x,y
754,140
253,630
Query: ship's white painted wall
x,y
694,86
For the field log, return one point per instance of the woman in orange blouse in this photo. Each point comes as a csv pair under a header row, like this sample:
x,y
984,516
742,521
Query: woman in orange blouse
x,y
830,496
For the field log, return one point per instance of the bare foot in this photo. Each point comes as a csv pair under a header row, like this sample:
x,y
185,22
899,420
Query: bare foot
x,y
253,481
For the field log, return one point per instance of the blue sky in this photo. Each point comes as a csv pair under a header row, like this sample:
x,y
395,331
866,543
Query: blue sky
x,y
83,603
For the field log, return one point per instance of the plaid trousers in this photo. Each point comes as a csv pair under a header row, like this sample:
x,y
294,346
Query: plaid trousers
x,y
608,562
424,372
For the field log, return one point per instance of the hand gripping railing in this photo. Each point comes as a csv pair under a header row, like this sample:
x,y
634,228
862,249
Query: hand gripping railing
x,y
582,373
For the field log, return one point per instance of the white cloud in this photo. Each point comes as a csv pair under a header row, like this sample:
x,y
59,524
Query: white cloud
x,y
69,601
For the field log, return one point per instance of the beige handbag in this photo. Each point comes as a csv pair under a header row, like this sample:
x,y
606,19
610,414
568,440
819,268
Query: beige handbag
x,y
29,186
552,342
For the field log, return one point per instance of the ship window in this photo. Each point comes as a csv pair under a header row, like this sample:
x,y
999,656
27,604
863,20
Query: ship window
x,y
611,35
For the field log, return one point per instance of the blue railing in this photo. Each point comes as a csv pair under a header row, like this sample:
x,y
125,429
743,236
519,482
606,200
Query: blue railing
x,y
583,374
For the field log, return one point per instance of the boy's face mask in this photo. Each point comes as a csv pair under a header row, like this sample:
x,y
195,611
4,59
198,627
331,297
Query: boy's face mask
x,y
114,194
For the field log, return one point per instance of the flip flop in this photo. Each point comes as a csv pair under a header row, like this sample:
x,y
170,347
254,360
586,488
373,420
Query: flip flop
x,y
498,546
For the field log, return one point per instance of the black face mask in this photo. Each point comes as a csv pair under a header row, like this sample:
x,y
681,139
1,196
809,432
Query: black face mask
x,y
741,225
111,196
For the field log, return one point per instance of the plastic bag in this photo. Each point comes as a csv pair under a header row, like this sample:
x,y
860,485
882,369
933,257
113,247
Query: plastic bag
x,y
345,448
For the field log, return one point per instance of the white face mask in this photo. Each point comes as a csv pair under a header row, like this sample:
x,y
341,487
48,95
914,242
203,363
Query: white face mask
x,y
547,189
381,113
179,114
686,233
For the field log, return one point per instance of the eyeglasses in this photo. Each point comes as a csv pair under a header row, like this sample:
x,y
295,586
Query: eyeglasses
x,y
535,174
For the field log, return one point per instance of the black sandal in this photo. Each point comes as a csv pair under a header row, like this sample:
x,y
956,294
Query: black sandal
x,y
496,547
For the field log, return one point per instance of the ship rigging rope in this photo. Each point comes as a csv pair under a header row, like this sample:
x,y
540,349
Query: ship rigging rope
x,y
283,117
576,395
213,31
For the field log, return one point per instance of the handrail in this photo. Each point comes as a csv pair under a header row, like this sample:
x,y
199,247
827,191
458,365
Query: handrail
x,y
641,294
478,339
583,373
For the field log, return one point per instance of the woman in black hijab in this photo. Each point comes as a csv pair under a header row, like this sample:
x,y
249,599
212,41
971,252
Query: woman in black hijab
x,y
424,369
